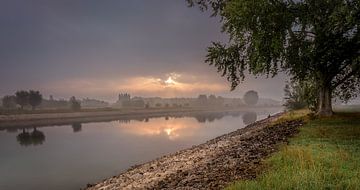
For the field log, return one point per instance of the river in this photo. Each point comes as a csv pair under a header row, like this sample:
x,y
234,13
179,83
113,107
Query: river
x,y
70,156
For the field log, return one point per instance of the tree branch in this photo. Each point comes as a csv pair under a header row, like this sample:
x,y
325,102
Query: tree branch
x,y
346,77
306,32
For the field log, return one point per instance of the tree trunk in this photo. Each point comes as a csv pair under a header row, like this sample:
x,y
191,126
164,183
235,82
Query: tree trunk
x,y
325,104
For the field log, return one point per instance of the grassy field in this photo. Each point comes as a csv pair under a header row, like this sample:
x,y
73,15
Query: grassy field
x,y
324,155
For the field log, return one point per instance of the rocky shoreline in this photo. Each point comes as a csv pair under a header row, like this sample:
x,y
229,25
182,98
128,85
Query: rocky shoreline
x,y
212,165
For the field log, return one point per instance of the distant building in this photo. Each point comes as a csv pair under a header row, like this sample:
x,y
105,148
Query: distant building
x,y
125,101
124,97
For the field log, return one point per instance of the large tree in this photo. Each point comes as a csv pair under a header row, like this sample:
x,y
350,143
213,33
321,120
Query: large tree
x,y
35,98
251,98
22,98
315,40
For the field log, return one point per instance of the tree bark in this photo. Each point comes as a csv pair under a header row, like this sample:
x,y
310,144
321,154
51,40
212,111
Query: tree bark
x,y
325,103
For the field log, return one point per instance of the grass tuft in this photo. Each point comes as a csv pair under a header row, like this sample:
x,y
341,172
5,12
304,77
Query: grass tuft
x,y
324,155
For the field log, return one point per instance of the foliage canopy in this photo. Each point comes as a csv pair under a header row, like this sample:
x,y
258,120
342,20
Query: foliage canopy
x,y
315,40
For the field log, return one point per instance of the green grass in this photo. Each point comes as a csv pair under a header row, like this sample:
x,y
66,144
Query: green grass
x,y
324,155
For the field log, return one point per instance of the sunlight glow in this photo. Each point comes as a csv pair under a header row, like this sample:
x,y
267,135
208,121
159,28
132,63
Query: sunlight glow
x,y
172,129
172,85
170,81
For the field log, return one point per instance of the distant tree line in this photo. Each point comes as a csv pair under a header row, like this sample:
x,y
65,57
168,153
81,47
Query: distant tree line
x,y
34,99
211,100
23,98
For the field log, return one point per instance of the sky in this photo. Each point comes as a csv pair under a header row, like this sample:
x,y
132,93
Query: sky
x,y
98,49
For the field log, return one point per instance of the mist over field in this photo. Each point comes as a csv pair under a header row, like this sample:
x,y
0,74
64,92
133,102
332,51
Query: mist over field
x,y
98,50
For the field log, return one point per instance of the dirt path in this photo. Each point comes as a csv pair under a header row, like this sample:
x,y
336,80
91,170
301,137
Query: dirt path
x,y
212,165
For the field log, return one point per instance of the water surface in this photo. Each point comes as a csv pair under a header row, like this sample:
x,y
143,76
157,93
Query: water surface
x,y
70,156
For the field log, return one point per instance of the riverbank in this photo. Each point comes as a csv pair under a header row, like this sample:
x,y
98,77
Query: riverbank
x,y
324,155
212,165
45,119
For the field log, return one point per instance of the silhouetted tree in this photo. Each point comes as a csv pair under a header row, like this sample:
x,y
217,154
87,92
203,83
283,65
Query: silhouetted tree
x,y
35,98
202,100
74,104
251,97
309,39
9,102
212,99
22,98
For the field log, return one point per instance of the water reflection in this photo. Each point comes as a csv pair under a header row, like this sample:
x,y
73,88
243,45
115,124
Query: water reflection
x,y
125,142
141,126
35,138
209,117
235,114
76,127
11,130
249,118
187,127
171,128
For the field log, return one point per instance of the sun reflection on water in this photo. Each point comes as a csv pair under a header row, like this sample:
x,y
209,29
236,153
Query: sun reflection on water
x,y
171,128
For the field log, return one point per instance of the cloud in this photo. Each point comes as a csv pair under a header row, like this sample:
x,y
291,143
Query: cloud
x,y
88,48
168,85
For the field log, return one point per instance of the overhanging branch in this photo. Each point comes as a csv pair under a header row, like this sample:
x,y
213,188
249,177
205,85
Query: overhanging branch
x,y
346,77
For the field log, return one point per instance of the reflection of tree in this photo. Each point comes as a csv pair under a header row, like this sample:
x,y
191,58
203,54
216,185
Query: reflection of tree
x,y
249,117
200,119
235,114
11,130
76,127
210,117
124,120
36,137
24,138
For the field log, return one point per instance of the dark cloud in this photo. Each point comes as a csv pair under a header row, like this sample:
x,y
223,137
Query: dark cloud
x,y
45,42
